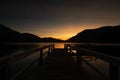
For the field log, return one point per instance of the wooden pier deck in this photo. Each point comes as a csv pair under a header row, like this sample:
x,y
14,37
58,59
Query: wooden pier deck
x,y
50,63
57,66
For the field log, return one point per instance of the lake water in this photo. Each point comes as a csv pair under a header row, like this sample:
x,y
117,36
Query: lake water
x,y
13,48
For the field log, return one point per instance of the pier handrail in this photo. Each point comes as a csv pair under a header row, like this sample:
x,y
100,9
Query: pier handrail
x,y
5,61
114,62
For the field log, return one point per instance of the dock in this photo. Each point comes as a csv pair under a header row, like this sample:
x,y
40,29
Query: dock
x,y
57,66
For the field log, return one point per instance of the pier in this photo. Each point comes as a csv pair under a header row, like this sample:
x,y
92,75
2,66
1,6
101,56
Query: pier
x,y
58,64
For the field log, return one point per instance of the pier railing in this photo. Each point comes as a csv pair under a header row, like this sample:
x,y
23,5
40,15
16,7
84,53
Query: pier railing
x,y
114,62
5,62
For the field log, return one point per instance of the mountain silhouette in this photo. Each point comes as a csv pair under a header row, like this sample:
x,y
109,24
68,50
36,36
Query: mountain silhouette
x,y
28,37
106,34
50,39
9,35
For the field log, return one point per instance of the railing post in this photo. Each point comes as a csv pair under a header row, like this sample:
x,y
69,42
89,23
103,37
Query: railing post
x,y
53,47
66,48
70,49
49,49
41,57
78,56
113,72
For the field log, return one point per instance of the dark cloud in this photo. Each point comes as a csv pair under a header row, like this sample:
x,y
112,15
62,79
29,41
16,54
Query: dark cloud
x,y
52,12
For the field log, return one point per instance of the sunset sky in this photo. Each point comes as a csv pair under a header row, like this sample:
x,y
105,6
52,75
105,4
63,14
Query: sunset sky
x,y
58,18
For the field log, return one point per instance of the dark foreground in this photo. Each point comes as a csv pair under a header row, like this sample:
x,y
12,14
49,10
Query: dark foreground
x,y
57,66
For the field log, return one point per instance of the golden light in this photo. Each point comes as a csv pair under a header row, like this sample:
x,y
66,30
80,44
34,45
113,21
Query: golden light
x,y
64,32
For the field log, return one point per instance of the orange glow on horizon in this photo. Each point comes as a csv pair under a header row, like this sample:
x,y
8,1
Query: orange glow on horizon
x,y
65,32
64,36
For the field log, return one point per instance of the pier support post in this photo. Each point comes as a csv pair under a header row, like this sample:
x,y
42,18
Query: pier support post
x,y
66,48
53,47
49,49
78,56
41,57
113,72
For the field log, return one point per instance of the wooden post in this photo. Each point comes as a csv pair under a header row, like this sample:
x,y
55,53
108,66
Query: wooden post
x,y
49,49
113,72
70,49
66,48
41,57
53,47
78,56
